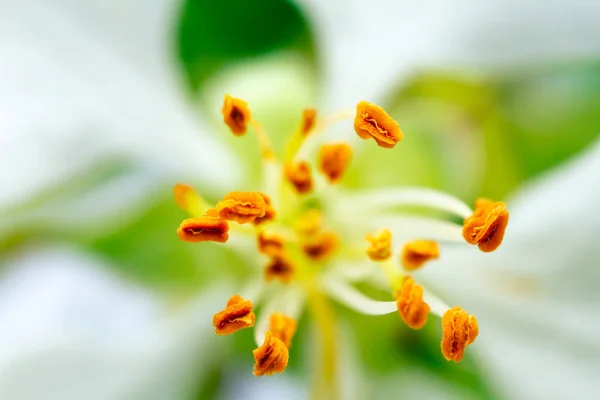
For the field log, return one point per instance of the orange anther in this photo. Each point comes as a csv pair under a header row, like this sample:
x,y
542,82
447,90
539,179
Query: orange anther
x,y
270,213
381,246
309,117
372,121
411,306
487,225
237,315
459,330
283,328
270,244
242,207
271,357
299,175
279,268
321,246
333,160
236,114
418,252
187,199
206,228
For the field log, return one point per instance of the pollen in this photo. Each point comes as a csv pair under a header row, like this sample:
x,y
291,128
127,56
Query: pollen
x,y
207,228
487,225
411,306
237,315
242,207
381,246
187,199
300,176
279,268
236,114
283,328
309,117
270,213
272,357
372,121
321,246
418,252
459,330
270,244
334,159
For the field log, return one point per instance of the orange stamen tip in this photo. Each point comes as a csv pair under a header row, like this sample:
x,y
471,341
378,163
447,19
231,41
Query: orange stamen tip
x,y
236,114
411,306
206,228
272,357
334,159
487,225
237,315
459,330
321,246
270,244
381,245
187,199
242,207
418,252
309,118
300,176
283,328
372,121
279,268
270,213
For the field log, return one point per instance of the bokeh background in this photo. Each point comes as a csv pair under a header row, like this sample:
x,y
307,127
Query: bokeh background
x,y
104,105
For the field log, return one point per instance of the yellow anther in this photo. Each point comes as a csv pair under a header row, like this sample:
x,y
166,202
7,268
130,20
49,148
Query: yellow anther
x,y
270,244
309,223
270,213
272,357
309,117
279,268
321,246
242,207
187,199
487,225
372,121
381,245
207,228
333,160
300,176
459,330
411,306
418,252
237,315
236,114
283,328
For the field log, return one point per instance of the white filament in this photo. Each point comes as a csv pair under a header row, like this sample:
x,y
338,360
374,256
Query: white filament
x,y
436,305
355,300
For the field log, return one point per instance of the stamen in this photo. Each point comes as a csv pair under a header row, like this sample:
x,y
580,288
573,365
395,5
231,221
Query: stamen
x,y
270,244
267,151
372,121
411,306
487,225
271,357
236,114
237,315
270,213
242,207
334,159
279,268
309,117
321,246
355,300
207,228
283,328
380,248
188,200
418,252
300,176
459,330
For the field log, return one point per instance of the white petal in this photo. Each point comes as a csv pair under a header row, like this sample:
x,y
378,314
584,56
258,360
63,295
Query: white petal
x,y
83,82
536,297
72,330
369,47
